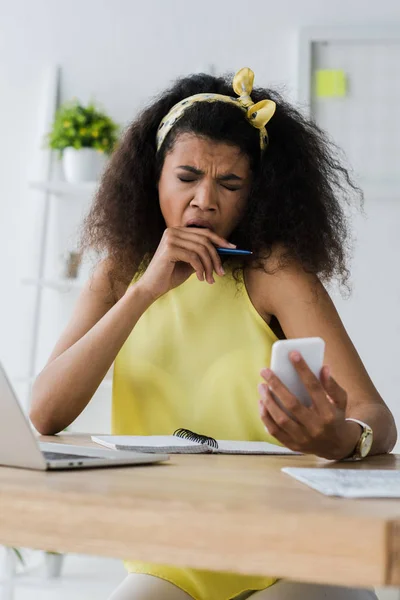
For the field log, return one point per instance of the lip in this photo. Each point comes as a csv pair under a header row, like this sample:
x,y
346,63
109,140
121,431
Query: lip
x,y
199,223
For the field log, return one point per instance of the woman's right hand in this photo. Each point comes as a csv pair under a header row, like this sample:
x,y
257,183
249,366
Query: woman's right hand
x,y
181,252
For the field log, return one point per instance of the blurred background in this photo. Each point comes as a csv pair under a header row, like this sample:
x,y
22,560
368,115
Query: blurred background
x,y
338,61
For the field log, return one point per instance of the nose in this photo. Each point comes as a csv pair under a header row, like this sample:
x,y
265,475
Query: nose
x,y
206,197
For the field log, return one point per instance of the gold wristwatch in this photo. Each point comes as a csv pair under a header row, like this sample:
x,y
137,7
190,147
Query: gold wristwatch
x,y
364,444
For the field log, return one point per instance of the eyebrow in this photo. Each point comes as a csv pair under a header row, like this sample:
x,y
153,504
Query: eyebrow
x,y
227,177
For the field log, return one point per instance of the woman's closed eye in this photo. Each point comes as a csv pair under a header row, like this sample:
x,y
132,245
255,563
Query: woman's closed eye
x,y
224,185
186,179
230,188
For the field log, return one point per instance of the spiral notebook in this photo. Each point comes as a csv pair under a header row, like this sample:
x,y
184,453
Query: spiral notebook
x,y
184,441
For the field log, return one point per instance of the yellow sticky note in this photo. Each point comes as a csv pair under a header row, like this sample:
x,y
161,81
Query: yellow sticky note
x,y
330,83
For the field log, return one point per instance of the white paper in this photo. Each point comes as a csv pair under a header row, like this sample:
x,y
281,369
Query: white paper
x,y
350,483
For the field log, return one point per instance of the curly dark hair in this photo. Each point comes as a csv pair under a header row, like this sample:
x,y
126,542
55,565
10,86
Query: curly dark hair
x,y
298,184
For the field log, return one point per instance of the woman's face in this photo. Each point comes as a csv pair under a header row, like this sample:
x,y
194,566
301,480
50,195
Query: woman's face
x,y
204,181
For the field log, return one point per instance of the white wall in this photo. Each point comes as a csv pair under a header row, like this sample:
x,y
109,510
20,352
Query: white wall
x,y
122,52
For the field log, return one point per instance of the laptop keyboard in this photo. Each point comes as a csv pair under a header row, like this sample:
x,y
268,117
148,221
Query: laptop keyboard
x,y
62,456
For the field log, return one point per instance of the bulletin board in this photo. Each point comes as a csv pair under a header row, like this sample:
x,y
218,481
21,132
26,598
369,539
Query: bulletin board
x,y
350,82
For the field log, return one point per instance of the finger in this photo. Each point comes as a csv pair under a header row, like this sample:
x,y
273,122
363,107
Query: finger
x,y
193,247
216,239
189,257
336,393
291,427
300,413
273,428
312,385
175,253
205,257
204,241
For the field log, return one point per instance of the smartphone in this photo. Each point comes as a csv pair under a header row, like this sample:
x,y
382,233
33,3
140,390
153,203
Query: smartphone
x,y
312,350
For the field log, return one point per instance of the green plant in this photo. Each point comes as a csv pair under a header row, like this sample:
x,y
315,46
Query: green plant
x,y
78,126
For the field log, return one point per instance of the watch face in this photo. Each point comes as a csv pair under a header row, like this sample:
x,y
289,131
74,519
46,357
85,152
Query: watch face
x,y
366,445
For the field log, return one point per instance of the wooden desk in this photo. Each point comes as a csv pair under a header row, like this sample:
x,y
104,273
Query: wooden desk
x,y
211,512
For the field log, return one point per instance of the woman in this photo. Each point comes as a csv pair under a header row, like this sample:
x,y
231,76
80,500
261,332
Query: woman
x,y
189,332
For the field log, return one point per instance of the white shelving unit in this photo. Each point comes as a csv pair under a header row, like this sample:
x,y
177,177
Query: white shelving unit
x,y
59,206
53,191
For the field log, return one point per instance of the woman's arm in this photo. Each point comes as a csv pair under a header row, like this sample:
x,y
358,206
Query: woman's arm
x,y
85,351
304,309
99,326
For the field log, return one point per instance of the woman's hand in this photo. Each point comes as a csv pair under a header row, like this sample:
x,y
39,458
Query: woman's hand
x,y
181,252
320,429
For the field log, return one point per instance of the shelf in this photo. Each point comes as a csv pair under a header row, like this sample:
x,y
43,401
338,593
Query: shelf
x,y
60,285
63,188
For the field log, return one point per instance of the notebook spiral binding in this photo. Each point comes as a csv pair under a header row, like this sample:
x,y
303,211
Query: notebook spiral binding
x,y
196,437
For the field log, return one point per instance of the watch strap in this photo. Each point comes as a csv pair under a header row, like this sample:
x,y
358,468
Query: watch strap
x,y
366,431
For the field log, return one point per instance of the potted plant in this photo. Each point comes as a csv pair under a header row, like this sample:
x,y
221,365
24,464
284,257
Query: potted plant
x,y
84,136
53,563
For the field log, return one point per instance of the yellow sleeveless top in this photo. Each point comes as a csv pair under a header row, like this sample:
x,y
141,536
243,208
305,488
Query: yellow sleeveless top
x,y
193,361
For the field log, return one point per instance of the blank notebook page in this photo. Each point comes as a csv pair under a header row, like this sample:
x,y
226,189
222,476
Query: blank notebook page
x,y
234,447
149,443
175,444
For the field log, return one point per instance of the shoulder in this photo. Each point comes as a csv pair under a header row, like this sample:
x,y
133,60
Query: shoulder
x,y
105,282
281,283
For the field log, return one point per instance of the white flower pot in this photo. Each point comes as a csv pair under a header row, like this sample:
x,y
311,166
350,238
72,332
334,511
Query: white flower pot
x,y
53,564
85,164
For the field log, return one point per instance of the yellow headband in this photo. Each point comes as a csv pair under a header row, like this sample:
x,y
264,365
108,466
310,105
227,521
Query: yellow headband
x,y
258,114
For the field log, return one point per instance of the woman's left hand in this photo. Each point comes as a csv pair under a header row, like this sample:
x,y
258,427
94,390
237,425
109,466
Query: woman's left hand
x,y
319,429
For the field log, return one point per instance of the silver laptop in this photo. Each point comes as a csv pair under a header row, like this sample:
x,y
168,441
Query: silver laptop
x,y
20,448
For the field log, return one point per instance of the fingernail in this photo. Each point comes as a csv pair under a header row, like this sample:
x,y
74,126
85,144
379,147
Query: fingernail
x,y
232,245
266,373
295,356
221,270
262,391
327,372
